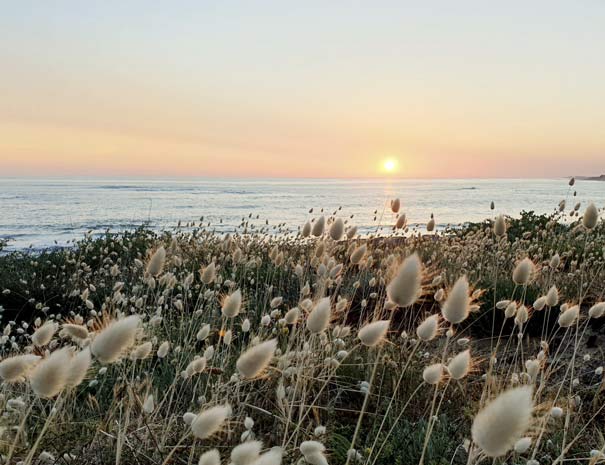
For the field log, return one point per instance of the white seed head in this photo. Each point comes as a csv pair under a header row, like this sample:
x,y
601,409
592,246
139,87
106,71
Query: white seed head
x,y
78,368
141,351
569,316
209,421
74,331
373,333
163,349
212,457
591,216
208,274
523,272
503,421
306,230
337,229
44,333
427,330
111,343
457,305
433,373
256,359
522,445
556,412
156,262
246,453
500,226
14,368
597,310
358,254
319,226
319,318
232,304
271,457
460,365
311,447
555,261
552,296
291,316
405,287
539,303
49,377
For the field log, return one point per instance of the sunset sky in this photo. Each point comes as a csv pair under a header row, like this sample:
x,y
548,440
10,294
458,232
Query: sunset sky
x,y
309,89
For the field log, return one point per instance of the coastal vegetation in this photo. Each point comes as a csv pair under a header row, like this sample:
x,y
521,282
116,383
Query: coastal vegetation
x,y
470,344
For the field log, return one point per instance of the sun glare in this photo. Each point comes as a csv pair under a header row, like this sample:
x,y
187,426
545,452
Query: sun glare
x,y
389,165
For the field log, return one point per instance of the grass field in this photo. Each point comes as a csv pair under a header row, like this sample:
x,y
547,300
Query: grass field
x,y
472,345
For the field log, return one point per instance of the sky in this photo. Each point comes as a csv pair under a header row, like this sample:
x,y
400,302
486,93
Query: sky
x,y
302,89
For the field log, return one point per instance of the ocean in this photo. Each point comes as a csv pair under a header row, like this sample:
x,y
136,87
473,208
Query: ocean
x,y
38,213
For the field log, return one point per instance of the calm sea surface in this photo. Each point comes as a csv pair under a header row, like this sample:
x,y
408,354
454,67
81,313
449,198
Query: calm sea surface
x,y
45,212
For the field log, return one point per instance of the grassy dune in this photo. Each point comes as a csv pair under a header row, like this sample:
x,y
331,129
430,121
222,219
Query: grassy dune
x,y
482,344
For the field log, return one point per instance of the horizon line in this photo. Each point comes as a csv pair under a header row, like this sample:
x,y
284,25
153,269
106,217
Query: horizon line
x,y
270,177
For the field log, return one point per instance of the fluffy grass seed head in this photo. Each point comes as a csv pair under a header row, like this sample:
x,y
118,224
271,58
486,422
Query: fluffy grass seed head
x,y
373,333
569,316
256,359
597,310
209,421
503,421
552,296
111,343
271,457
78,368
311,447
246,453
458,303
13,369
208,274
500,226
405,287
155,265
401,221
212,457
77,332
232,304
319,318
358,254
523,272
306,230
291,316
429,328
141,351
460,365
163,349
337,229
433,373
591,216
44,333
50,376
319,226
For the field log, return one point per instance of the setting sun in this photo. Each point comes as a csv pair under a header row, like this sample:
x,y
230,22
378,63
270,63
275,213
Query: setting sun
x,y
389,165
